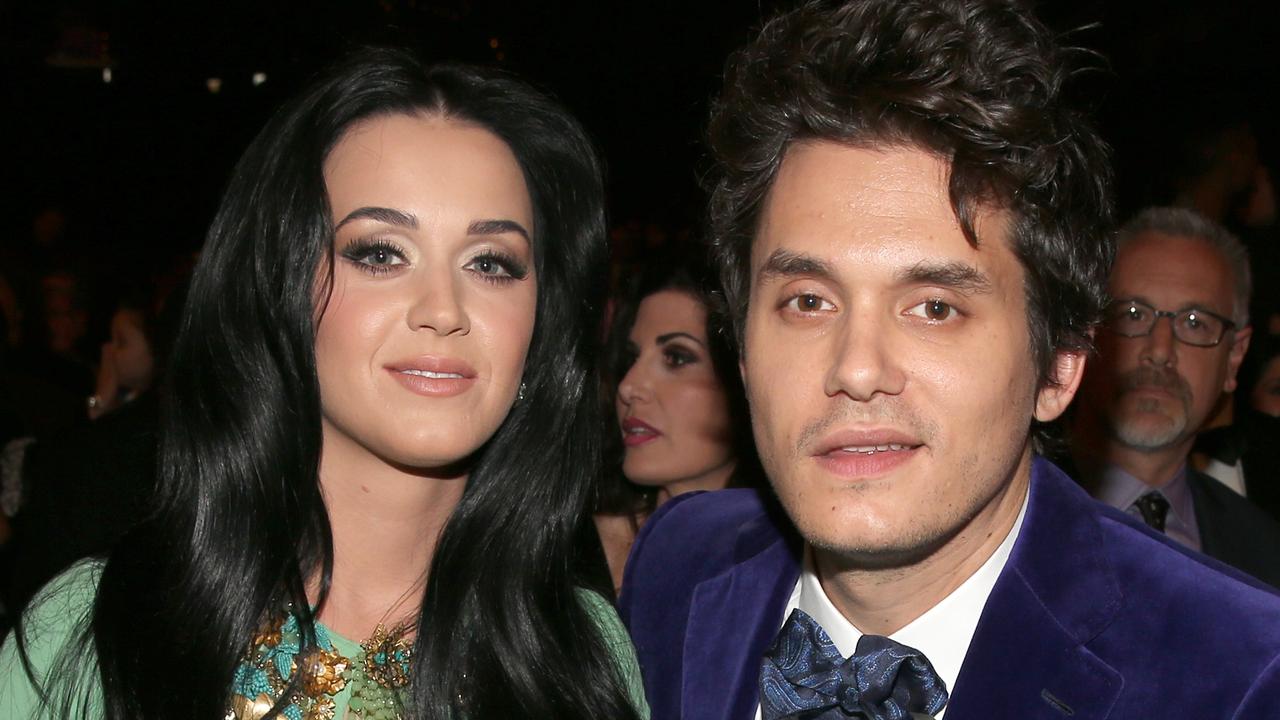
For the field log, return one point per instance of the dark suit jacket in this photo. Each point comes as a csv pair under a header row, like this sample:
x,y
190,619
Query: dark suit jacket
x,y
1234,530
1253,441
1094,616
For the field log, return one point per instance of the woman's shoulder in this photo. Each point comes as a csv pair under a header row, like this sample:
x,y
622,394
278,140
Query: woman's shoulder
x,y
64,600
52,621
605,617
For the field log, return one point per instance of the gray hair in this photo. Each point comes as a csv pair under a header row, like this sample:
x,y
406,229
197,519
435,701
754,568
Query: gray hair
x,y
1181,222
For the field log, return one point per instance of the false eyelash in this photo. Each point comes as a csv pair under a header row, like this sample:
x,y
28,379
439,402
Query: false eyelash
x,y
360,248
516,270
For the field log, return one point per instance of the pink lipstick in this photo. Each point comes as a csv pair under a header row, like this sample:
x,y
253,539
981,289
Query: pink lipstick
x,y
432,376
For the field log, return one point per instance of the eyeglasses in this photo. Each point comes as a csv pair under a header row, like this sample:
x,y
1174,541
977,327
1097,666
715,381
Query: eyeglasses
x,y
1201,328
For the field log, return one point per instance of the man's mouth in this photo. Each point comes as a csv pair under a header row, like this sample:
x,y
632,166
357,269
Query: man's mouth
x,y
871,449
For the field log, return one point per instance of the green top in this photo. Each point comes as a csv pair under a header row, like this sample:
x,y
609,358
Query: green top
x,y
59,610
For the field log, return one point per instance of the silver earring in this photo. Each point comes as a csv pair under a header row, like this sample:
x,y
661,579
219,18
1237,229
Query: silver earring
x,y
520,392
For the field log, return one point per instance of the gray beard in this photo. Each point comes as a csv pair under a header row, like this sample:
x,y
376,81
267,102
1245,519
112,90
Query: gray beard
x,y
1149,434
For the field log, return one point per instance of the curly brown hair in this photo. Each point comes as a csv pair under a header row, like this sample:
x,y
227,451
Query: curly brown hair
x,y
978,82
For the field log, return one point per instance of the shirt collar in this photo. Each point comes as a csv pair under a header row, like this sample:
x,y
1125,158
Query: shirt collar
x,y
1119,489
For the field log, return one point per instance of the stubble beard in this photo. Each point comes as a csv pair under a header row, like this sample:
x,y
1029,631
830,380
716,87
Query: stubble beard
x,y
898,547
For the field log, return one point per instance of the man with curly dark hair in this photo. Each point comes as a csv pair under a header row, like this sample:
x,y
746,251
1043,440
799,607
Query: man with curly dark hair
x,y
913,228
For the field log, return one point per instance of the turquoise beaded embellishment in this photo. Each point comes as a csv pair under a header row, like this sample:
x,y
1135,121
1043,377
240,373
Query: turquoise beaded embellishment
x,y
375,679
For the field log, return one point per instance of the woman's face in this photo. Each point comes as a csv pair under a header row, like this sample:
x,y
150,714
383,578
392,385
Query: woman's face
x,y
134,363
1266,393
671,405
421,347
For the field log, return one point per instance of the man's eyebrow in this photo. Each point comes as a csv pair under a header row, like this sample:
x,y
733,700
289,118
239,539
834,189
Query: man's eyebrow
x,y
497,227
390,216
955,275
784,263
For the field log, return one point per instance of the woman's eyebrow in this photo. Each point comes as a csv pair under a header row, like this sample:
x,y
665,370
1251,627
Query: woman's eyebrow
x,y
497,227
662,339
391,216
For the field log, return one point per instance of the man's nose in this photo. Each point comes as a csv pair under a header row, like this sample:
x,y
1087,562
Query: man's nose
x,y
863,364
1159,347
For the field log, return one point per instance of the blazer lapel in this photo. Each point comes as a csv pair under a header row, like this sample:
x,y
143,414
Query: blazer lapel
x,y
732,620
1028,657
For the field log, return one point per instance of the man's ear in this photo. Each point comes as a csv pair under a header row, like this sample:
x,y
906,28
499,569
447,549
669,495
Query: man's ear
x,y
1239,346
1061,385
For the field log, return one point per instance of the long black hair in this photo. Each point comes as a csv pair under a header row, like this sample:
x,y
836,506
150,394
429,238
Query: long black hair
x,y
683,268
241,525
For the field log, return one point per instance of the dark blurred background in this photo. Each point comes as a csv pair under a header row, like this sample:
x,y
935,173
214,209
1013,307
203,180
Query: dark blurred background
x,y
111,119
122,120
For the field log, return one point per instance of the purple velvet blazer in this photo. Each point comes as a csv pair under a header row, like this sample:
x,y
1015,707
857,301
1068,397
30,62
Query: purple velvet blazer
x,y
1094,616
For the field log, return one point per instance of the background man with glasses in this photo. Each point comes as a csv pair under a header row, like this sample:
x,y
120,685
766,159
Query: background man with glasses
x,y
1171,343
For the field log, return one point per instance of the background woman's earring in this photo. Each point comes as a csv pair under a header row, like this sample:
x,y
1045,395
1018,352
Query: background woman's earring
x,y
520,392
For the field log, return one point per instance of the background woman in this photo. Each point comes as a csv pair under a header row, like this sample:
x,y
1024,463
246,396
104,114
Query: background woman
x,y
127,362
681,412
375,434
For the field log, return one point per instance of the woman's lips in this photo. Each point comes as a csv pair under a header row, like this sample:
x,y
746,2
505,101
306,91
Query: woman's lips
x,y
432,376
636,432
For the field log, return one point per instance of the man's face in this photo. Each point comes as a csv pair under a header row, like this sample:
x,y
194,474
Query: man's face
x,y
1154,392
887,360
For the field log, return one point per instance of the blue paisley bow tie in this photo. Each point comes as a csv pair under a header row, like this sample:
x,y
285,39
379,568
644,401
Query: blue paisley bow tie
x,y
804,676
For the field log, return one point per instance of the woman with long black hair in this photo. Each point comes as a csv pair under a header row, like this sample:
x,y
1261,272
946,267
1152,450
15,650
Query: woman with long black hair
x,y
377,434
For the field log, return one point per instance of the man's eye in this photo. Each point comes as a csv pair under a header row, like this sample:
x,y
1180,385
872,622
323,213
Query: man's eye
x,y
934,310
809,303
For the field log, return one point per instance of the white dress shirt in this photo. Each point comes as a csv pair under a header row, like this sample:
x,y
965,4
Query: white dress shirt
x,y
1230,475
942,633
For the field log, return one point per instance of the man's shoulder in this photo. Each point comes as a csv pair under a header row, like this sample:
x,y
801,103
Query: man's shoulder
x,y
698,536
708,530
1148,562
1235,530
1150,623
1126,567
1202,614
1226,501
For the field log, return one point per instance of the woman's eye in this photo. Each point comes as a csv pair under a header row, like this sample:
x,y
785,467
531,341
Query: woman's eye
x,y
676,357
497,267
933,310
809,303
488,266
376,257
